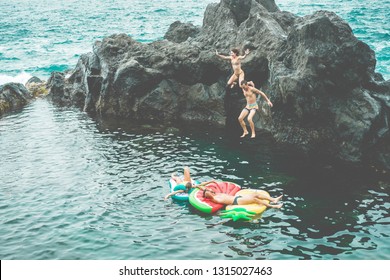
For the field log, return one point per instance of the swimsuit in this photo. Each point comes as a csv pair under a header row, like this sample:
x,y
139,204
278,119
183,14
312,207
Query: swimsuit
x,y
250,107
235,202
239,74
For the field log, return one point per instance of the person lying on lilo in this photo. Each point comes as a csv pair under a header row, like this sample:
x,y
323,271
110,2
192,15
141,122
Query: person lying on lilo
x,y
255,198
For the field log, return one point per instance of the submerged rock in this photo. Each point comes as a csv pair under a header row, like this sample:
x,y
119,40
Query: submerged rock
x,y
328,100
13,96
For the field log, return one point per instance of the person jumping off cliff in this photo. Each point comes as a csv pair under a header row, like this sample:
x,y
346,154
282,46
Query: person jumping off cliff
x,y
249,91
235,58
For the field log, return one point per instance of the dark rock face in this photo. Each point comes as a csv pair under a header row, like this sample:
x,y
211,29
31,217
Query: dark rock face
x,y
13,96
179,32
327,98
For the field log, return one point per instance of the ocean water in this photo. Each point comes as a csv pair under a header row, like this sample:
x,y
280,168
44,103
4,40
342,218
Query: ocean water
x,y
41,36
74,187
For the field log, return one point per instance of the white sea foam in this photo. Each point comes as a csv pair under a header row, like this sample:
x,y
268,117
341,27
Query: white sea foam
x,y
22,78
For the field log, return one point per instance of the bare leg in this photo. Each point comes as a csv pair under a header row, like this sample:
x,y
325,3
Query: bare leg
x,y
276,206
277,199
175,178
241,78
251,123
231,81
262,202
187,176
266,197
243,114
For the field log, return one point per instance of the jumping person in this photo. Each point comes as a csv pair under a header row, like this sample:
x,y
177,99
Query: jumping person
x,y
235,59
249,91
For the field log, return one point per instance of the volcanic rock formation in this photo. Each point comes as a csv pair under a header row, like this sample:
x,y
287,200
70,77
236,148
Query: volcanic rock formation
x,y
327,98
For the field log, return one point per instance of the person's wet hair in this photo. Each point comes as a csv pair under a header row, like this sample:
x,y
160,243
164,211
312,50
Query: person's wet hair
x,y
243,82
236,51
188,185
206,190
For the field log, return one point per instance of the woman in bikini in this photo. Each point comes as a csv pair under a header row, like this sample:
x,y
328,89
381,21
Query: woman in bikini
x,y
227,199
249,91
235,58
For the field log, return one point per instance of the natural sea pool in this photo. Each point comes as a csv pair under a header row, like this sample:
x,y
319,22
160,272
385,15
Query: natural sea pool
x,y
76,187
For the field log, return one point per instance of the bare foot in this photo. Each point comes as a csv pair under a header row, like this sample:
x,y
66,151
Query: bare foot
x,y
278,198
233,84
277,206
253,135
244,134
174,177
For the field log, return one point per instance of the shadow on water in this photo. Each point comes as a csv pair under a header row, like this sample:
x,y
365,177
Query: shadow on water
x,y
320,198
261,158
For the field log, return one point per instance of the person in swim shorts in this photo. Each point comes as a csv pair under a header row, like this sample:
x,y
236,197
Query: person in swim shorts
x,y
254,198
235,59
249,91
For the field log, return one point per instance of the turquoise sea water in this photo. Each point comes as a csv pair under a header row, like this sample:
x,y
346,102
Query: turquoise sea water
x,y
77,187
74,187
41,36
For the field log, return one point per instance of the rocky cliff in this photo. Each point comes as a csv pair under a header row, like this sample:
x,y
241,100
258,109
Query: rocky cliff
x,y
327,98
13,96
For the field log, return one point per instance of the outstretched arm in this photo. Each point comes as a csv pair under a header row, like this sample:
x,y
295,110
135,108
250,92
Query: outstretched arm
x,y
245,54
250,83
201,185
222,56
172,193
255,90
